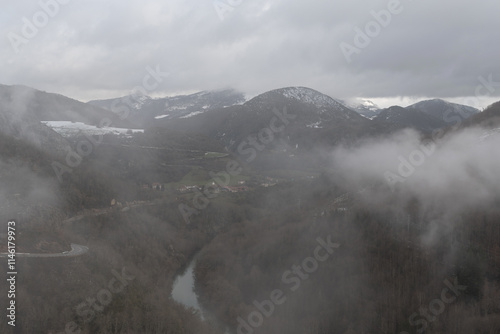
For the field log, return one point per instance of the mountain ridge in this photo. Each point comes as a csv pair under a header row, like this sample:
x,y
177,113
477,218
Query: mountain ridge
x,y
145,111
444,110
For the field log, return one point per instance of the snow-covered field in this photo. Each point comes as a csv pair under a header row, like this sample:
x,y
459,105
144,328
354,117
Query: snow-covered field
x,y
69,129
194,113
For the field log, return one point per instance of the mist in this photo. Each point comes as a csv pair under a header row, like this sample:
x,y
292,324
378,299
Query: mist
x,y
447,177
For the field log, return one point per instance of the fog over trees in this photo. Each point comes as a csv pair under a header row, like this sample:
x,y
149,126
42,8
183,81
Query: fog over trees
x,y
249,167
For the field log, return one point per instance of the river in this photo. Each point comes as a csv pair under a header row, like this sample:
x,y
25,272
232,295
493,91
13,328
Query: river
x,y
183,289
183,292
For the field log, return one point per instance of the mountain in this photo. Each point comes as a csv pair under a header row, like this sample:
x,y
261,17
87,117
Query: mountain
x,y
145,111
489,118
151,204
33,133
20,120
312,118
42,106
363,107
400,117
442,110
25,113
446,111
425,116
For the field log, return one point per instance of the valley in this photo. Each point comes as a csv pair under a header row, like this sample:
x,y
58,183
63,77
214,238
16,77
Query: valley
x,y
249,167
225,218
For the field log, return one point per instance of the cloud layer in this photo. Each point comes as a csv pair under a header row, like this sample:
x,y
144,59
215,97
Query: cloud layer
x,y
447,177
96,49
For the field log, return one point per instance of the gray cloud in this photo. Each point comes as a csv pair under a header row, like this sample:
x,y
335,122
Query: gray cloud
x,y
458,174
96,49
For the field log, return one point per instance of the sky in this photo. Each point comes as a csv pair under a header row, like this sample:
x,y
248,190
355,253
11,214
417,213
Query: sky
x,y
388,51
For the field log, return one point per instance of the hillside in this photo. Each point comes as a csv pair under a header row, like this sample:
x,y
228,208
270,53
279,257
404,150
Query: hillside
x,y
445,111
409,118
313,118
145,111
244,196
489,118
21,101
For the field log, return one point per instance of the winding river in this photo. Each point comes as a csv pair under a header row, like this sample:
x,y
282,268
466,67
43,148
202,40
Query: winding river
x,y
183,292
183,289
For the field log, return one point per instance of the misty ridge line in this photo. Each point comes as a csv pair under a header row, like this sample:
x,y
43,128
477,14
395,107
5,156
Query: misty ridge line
x,y
122,108
447,175
371,228
253,144
418,156
459,167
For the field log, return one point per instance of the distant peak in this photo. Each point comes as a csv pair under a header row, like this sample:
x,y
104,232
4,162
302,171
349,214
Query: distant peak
x,y
360,104
433,101
307,95
297,91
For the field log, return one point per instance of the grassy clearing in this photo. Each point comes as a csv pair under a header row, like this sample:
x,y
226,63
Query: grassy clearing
x,y
198,176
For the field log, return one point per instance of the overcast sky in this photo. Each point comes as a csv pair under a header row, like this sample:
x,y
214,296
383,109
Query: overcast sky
x,y
100,49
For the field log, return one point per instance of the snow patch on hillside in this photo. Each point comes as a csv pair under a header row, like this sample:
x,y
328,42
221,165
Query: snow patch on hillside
x,y
363,107
70,129
194,113
316,125
307,95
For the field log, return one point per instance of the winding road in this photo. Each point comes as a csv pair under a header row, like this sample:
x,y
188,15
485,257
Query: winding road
x,y
76,250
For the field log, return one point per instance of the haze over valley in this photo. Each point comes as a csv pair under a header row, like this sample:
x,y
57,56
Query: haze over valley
x,y
237,167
